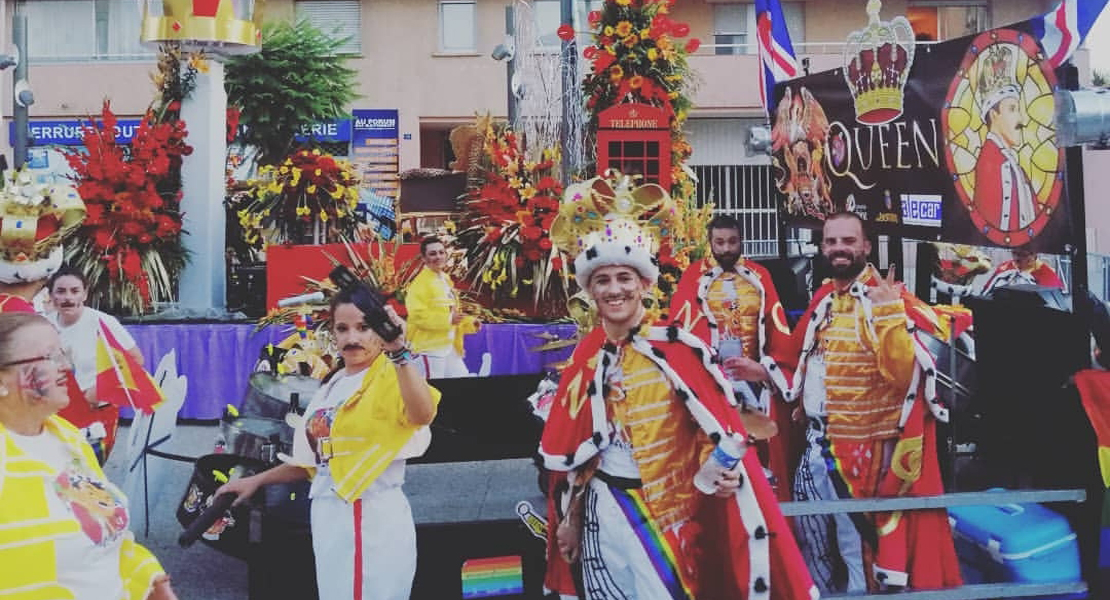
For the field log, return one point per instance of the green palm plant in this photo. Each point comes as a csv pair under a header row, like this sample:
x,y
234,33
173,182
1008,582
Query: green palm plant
x,y
296,79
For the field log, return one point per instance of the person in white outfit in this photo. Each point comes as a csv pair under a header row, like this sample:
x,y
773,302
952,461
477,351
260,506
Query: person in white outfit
x,y
357,432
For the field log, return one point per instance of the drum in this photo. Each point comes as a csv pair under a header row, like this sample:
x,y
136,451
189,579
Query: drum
x,y
284,505
271,396
256,438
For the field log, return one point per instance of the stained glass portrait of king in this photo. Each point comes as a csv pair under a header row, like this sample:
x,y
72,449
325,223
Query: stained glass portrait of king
x,y
1001,147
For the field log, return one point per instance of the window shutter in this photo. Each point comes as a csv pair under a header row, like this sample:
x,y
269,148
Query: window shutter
x,y
338,18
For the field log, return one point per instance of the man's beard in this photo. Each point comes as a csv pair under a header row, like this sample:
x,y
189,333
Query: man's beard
x,y
848,271
727,261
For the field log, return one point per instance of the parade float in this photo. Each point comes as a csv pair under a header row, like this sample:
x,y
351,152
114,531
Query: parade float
x,y
878,136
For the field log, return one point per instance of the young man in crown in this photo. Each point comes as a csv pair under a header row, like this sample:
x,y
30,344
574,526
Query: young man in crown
x,y
638,411
867,390
731,302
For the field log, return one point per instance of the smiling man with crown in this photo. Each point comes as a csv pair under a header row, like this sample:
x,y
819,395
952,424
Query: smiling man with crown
x,y
1003,192
638,411
34,220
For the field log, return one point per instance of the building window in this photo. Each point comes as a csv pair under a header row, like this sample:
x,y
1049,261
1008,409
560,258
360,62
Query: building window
x,y
340,19
937,21
457,26
734,26
79,30
548,16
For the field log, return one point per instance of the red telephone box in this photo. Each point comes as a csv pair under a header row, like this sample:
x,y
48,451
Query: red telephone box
x,y
635,139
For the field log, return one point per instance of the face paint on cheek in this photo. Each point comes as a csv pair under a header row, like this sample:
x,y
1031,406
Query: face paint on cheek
x,y
34,381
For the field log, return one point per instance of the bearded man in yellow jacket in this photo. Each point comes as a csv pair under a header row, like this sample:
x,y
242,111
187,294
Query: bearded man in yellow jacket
x,y
436,325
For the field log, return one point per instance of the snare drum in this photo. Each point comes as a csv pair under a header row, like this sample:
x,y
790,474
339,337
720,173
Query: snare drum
x,y
273,396
256,438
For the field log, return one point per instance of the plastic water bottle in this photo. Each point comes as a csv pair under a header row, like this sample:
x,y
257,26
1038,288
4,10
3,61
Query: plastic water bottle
x,y
725,456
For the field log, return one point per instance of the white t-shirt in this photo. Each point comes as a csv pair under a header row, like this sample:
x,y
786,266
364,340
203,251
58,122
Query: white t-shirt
x,y
80,338
87,560
316,427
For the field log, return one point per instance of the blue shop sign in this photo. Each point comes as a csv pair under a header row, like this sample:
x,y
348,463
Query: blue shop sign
x,y
375,124
68,132
329,130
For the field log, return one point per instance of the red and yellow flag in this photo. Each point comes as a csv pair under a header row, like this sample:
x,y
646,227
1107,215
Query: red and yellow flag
x,y
120,379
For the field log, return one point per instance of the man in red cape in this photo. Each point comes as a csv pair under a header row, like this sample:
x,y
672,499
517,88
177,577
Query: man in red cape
x,y
1025,268
868,391
638,411
729,297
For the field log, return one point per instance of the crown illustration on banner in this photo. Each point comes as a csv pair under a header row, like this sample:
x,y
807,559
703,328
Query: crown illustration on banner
x,y
877,62
218,26
997,78
608,221
34,220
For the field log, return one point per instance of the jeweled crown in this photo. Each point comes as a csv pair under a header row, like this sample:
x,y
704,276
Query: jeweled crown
x,y
609,221
34,220
877,61
997,79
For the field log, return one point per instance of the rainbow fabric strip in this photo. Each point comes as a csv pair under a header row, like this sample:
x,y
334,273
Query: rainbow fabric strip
x,y
495,576
659,547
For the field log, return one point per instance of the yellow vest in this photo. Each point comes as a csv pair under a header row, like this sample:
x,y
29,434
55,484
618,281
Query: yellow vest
x,y
27,530
369,429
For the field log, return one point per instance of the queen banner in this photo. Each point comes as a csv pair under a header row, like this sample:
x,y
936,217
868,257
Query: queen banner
x,y
952,141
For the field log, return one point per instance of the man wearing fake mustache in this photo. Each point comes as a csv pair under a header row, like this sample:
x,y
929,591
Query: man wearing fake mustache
x,y
863,381
731,303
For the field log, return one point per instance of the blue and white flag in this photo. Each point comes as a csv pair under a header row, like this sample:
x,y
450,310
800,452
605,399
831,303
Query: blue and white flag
x,y
776,53
1062,29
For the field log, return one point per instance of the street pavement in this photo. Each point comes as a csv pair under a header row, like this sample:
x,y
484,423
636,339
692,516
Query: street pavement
x,y
439,493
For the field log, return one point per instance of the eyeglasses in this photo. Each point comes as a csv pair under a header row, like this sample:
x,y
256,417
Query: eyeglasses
x,y
60,357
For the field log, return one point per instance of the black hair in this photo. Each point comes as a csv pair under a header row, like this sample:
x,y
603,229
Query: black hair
x,y
64,270
428,241
724,222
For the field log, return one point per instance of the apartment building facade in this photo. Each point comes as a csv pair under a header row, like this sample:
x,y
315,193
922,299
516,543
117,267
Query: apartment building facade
x,y
431,61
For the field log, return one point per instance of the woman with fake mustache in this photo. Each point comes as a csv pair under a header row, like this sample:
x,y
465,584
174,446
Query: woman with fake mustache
x,y
357,432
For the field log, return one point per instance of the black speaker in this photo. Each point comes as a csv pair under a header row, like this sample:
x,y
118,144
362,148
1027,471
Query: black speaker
x,y
1025,353
484,418
791,279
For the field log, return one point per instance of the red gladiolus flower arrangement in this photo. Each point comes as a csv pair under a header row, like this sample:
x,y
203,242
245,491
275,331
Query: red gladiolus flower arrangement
x,y
507,221
133,226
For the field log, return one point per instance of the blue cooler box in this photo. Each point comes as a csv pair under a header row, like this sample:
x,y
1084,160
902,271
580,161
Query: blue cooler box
x,y
1015,543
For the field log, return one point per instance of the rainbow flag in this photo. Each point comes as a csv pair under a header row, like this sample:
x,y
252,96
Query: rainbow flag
x,y
495,576
120,379
1094,391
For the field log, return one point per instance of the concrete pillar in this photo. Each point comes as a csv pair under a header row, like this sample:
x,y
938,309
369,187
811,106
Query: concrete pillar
x,y
203,285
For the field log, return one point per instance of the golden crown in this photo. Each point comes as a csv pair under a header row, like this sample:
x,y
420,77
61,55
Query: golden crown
x,y
997,78
219,26
608,221
877,62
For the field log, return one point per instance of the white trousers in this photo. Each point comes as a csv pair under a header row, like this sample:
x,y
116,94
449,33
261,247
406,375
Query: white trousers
x,y
444,364
829,543
372,539
614,562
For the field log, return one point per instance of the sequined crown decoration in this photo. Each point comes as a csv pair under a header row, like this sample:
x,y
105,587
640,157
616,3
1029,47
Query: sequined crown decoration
x,y
607,221
997,78
877,62
34,220
218,26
